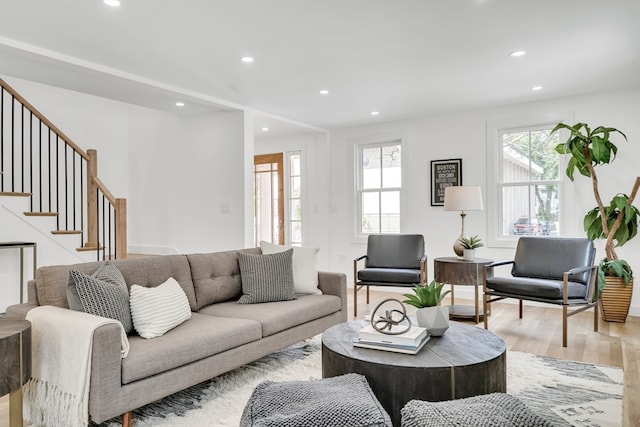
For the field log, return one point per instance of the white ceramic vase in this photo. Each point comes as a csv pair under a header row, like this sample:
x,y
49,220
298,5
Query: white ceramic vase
x,y
469,254
434,319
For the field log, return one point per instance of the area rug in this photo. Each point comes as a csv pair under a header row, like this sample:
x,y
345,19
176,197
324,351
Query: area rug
x,y
567,393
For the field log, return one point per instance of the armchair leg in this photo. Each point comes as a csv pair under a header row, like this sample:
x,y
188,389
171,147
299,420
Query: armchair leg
x,y
355,301
367,294
595,317
485,307
520,303
564,325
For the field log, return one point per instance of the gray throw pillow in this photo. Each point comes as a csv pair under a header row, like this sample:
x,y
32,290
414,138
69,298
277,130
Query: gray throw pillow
x,y
103,294
266,278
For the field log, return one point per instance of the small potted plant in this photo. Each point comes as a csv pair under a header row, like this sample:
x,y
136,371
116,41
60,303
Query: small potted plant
x,y
470,244
430,314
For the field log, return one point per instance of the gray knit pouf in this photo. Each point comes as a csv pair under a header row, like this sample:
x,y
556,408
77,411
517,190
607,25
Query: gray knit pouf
x,y
344,401
489,410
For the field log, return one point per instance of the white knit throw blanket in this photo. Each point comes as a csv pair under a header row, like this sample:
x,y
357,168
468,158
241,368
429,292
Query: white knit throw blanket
x,y
61,343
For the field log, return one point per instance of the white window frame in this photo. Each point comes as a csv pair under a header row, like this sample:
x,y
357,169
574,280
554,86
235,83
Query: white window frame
x,y
358,190
566,199
288,197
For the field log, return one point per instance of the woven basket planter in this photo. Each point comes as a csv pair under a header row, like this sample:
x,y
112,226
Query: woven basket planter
x,y
616,299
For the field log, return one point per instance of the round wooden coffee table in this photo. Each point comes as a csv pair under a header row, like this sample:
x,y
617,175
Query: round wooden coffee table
x,y
466,361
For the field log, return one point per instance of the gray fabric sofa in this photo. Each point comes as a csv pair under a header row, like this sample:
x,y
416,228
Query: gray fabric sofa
x,y
220,336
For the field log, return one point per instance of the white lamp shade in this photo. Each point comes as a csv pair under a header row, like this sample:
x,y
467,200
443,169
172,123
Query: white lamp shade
x,y
463,198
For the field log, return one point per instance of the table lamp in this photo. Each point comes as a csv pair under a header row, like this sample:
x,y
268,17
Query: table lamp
x,y
462,198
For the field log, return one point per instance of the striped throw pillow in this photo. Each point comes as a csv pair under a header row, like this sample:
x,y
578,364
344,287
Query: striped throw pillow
x,y
157,310
266,278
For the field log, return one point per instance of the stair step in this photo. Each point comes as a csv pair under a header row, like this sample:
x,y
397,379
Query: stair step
x,y
66,232
14,194
89,249
41,213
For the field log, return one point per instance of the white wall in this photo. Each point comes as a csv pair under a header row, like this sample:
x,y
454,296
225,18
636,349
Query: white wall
x,y
463,135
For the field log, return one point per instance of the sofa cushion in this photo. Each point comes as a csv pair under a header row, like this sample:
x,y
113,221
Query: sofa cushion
x,y
279,316
199,337
149,271
156,310
266,278
304,263
216,276
102,298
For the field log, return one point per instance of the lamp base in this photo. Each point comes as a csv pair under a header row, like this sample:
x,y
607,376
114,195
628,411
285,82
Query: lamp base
x,y
457,246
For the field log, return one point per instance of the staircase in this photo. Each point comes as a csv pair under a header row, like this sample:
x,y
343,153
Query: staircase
x,y
55,184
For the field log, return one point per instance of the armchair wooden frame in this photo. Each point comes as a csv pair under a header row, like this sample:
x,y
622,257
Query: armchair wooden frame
x,y
357,285
490,296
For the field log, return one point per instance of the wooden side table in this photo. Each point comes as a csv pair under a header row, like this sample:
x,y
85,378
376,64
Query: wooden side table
x,y
15,364
457,271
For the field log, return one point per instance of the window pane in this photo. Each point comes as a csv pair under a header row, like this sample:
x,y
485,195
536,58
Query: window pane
x,y
370,213
295,164
295,210
295,187
371,168
529,156
296,232
390,212
391,172
531,210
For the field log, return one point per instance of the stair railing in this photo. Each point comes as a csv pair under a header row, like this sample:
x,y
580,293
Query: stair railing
x,y
37,160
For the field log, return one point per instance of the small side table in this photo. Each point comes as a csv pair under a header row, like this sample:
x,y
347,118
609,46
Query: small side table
x,y
457,271
15,364
21,246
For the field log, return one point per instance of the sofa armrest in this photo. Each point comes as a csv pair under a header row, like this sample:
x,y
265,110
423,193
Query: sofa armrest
x,y
18,311
332,283
106,373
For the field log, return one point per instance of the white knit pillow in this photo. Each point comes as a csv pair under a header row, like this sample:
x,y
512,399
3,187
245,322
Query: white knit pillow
x,y
157,310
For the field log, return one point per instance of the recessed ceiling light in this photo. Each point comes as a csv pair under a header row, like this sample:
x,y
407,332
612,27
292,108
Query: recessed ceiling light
x,y
264,129
247,59
112,3
179,104
536,88
324,92
375,113
518,53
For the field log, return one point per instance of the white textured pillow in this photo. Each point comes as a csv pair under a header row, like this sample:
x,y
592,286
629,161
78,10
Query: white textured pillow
x,y
155,311
305,266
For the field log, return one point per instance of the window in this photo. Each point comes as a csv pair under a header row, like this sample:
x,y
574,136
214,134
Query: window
x,y
295,199
379,181
528,182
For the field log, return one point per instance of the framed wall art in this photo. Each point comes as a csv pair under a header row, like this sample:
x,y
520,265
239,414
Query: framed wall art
x,y
443,174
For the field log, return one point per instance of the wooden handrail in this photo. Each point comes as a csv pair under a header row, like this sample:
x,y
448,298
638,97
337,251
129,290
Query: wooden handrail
x,y
44,120
104,190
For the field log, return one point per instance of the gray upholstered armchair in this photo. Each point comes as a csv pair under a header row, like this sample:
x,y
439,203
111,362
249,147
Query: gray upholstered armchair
x,y
550,270
391,260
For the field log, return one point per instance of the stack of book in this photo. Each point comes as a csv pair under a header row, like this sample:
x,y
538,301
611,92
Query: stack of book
x,y
410,342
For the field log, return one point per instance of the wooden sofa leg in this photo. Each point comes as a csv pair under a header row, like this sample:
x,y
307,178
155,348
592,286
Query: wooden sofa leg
x,y
126,419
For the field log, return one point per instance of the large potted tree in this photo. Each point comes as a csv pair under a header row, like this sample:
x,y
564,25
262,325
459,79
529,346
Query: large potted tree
x,y
616,222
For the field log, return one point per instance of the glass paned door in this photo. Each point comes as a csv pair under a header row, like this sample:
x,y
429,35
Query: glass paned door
x,y
268,198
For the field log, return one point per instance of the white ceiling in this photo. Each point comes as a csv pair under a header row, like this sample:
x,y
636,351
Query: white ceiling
x,y
403,58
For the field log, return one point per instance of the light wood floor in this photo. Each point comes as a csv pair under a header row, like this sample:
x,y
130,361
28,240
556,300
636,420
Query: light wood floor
x,y
539,332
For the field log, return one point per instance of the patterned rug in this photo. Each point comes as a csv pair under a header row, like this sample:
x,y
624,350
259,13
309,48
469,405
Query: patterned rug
x,y
567,393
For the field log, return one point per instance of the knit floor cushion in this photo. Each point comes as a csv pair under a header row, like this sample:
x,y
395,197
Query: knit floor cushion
x,y
344,401
489,410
